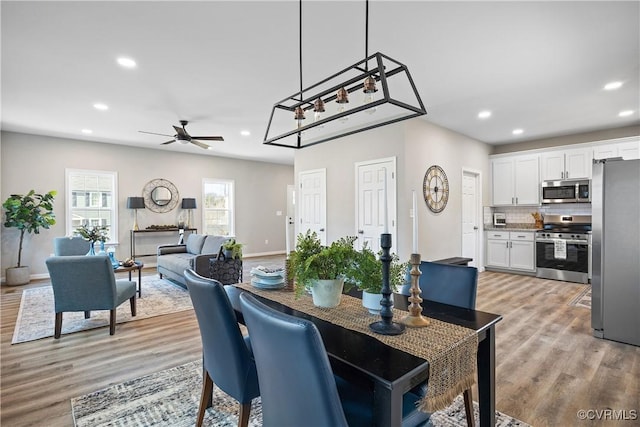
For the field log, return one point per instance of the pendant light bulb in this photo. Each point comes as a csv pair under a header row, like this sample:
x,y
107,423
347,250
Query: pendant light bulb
x,y
369,91
318,109
299,116
342,98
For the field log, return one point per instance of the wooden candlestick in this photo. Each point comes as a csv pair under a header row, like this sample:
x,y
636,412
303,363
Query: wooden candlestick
x,y
415,319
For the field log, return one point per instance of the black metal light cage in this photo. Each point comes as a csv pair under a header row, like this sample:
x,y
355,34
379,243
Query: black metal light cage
x,y
390,75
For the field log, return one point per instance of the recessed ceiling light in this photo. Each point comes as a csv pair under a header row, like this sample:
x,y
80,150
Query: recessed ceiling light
x,y
613,85
245,133
87,131
126,62
625,113
517,131
100,106
484,114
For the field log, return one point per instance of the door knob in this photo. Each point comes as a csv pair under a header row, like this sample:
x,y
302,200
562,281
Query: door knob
x,y
475,227
360,231
322,229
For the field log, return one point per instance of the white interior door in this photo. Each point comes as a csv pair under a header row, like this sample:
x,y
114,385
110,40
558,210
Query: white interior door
x,y
371,204
313,203
471,216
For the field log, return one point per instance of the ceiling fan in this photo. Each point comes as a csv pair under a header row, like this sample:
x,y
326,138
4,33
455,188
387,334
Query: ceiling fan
x,y
183,137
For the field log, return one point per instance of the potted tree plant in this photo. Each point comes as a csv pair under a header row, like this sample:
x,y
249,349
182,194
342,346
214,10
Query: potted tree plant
x,y
232,249
320,268
28,213
366,274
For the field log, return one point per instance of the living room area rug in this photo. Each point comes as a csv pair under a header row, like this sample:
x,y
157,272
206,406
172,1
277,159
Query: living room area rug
x,y
170,398
36,316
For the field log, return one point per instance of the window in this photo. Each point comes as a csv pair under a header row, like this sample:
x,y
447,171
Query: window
x,y
218,207
92,200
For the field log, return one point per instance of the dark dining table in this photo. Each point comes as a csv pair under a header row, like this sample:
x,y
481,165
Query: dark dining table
x,y
390,372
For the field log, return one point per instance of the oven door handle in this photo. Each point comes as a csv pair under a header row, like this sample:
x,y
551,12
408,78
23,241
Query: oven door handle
x,y
569,242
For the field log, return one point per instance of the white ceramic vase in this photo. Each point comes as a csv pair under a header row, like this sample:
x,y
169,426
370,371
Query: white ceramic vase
x,y
371,302
327,293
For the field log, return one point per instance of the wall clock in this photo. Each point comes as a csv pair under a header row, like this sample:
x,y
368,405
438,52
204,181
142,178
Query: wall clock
x,y
436,189
160,195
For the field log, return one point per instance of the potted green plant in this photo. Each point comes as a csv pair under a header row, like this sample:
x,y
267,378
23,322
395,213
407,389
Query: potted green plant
x,y
366,274
28,213
232,249
321,268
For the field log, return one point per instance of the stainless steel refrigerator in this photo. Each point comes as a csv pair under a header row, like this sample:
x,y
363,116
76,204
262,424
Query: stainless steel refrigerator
x,y
615,202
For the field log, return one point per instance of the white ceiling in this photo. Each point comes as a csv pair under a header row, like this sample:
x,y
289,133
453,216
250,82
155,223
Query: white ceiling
x,y
539,66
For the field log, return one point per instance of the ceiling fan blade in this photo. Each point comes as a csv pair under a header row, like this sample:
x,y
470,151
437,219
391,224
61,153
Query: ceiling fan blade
x,y
209,138
153,133
181,132
200,144
168,142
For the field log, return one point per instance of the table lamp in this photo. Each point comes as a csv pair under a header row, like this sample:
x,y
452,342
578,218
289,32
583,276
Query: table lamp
x,y
189,204
135,203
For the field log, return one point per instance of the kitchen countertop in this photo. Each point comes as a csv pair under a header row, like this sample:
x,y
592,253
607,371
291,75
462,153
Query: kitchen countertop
x,y
513,227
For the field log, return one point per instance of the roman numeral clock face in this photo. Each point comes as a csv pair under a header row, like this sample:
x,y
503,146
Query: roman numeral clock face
x,y
436,189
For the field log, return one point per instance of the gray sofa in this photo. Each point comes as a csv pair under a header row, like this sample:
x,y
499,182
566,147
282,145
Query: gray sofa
x,y
195,254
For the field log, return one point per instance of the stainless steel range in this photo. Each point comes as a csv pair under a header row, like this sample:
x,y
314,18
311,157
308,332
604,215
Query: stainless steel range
x,y
563,248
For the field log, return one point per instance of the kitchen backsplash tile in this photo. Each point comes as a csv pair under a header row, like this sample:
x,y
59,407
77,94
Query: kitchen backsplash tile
x,y
522,214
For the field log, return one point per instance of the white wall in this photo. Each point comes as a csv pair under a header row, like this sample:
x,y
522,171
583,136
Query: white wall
x,y
39,162
416,144
440,235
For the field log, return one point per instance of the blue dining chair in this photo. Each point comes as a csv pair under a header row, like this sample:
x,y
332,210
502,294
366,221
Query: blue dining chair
x,y
297,384
87,283
70,246
449,284
227,356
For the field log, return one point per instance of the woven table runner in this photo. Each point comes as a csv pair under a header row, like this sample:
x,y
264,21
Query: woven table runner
x,y
450,349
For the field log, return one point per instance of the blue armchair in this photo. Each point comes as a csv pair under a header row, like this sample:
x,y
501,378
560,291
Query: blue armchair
x,y
70,246
86,283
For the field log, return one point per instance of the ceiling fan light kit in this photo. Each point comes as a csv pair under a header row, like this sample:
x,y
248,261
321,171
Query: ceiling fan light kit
x,y
334,116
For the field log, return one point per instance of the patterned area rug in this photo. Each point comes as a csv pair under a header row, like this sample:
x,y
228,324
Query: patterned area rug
x,y
149,401
583,299
36,316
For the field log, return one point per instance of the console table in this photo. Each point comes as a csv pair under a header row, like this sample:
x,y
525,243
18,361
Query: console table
x,y
173,231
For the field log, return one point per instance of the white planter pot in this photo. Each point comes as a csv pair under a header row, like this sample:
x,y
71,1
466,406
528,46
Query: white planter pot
x,y
371,302
17,276
327,293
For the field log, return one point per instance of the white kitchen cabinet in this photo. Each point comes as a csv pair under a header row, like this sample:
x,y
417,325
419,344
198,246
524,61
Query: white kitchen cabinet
x,y
511,250
522,251
497,249
626,150
566,164
515,180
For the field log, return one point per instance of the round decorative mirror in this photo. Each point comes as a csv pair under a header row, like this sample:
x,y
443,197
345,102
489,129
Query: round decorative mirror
x,y
160,195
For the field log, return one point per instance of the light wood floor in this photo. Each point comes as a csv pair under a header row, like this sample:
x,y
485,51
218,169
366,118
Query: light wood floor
x,y
548,366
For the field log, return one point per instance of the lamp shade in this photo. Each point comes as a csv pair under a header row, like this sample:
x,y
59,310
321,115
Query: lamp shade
x,y
135,202
188,203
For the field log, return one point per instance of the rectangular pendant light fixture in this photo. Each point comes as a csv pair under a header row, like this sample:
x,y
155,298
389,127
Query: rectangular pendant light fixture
x,y
327,115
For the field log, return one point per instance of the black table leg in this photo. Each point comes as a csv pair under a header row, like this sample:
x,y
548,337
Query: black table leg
x,y
487,378
387,405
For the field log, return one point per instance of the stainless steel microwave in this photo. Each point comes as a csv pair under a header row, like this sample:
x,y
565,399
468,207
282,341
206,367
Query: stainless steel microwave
x,y
567,191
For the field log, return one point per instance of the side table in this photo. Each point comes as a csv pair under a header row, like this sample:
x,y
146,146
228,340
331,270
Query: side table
x,y
137,266
226,271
